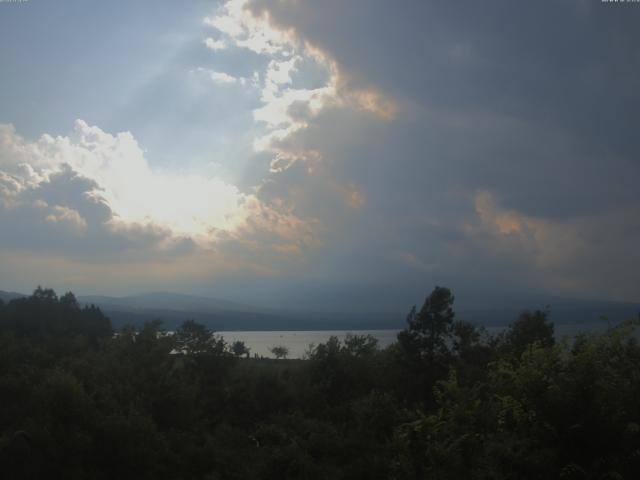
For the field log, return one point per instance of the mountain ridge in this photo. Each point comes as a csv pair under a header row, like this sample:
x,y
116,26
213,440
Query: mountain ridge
x,y
220,314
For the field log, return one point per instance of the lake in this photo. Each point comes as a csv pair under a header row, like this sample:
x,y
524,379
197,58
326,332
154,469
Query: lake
x,y
259,342
298,341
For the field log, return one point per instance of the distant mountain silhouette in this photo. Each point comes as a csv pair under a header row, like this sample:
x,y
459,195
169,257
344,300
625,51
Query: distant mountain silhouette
x,y
220,314
8,296
171,301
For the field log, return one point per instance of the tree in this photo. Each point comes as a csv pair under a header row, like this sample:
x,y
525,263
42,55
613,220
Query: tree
x,y
360,345
465,337
44,314
424,347
193,338
44,295
69,302
280,351
238,348
529,328
429,329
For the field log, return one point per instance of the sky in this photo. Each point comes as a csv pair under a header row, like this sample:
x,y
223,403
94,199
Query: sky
x,y
330,155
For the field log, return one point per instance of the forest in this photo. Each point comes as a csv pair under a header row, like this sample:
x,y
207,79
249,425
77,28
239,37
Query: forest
x,y
445,401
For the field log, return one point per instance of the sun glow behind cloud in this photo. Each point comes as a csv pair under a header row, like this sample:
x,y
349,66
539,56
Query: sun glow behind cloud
x,y
187,204
190,204
200,221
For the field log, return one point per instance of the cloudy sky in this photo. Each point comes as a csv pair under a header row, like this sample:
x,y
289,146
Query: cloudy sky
x,y
345,155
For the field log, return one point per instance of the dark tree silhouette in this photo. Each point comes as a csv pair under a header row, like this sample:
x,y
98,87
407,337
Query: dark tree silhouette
x,y
429,330
69,301
279,351
194,338
238,348
446,401
529,328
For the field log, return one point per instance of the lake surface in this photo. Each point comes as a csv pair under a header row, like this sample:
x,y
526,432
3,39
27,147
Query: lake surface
x,y
298,341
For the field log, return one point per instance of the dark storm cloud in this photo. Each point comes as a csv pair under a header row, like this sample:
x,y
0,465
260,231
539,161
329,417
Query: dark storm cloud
x,y
513,95
513,159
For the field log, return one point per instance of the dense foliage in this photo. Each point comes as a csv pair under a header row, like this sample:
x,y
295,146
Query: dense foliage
x,y
445,401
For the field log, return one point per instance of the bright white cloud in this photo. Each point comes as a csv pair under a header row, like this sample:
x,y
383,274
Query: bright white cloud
x,y
221,77
215,44
186,204
249,31
279,73
282,96
278,93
